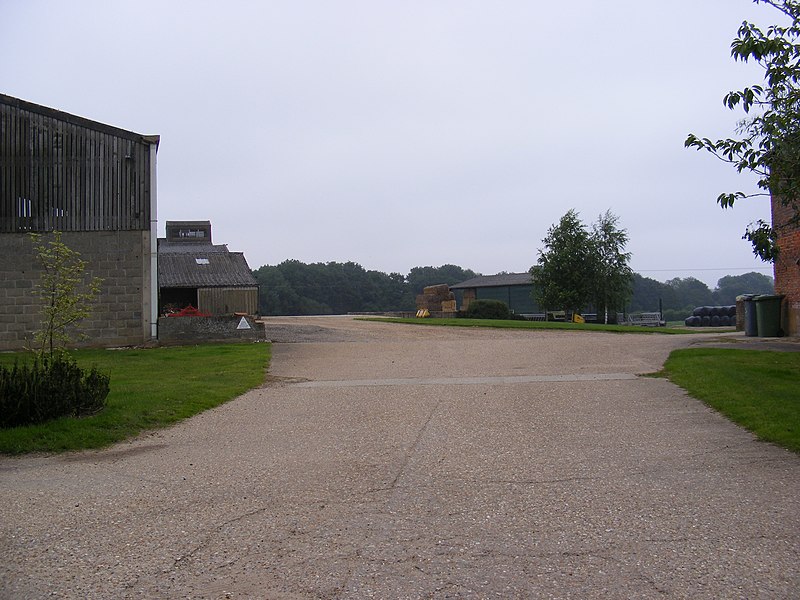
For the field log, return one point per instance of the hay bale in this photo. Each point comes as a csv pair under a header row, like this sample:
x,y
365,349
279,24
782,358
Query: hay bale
x,y
432,303
436,290
449,306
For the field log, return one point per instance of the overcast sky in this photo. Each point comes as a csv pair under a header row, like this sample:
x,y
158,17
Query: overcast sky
x,y
423,132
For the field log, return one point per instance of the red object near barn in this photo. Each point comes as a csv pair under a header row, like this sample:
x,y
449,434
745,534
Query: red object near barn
x,y
189,311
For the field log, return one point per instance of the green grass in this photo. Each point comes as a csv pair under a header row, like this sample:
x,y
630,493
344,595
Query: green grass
x,y
514,324
759,390
150,389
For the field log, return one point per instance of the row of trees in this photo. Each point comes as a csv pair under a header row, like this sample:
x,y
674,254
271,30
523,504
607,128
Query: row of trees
x,y
297,288
679,296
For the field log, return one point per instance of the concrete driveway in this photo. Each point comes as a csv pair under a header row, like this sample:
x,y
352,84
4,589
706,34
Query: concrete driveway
x,y
389,461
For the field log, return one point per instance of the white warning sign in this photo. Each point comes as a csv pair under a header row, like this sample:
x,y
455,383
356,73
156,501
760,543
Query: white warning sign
x,y
243,324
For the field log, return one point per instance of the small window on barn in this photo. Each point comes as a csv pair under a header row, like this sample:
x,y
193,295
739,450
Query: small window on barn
x,y
24,207
201,261
192,233
25,219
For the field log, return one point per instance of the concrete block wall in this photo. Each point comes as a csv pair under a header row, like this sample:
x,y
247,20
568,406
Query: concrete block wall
x,y
787,266
198,330
119,317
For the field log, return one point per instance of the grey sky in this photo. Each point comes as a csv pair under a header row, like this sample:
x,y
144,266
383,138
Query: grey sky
x,y
402,134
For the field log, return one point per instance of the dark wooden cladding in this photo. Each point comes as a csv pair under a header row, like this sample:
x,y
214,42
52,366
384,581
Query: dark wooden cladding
x,y
66,173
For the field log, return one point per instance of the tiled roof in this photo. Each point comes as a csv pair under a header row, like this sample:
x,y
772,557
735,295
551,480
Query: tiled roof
x,y
501,280
173,247
204,267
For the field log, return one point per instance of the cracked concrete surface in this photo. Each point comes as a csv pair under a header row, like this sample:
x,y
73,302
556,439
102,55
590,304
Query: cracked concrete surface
x,y
540,474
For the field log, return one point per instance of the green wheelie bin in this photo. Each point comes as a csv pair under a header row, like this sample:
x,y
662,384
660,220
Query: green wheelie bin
x,y
768,315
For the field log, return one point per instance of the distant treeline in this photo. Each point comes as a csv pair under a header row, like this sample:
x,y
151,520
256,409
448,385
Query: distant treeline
x,y
297,288
679,296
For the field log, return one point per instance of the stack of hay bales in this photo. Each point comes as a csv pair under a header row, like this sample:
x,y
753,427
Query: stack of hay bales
x,y
437,298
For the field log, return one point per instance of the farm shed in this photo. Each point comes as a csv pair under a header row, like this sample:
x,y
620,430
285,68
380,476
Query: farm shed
x,y
97,185
514,289
193,271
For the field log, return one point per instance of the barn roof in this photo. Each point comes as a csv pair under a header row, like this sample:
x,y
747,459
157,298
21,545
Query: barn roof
x,y
165,247
204,267
500,280
79,121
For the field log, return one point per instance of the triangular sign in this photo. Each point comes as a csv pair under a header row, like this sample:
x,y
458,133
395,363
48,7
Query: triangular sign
x,y
243,324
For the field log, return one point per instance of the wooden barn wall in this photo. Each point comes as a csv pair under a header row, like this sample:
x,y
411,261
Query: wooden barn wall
x,y
59,175
228,300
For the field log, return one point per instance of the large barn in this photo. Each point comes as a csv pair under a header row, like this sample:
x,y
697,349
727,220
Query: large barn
x,y
515,289
97,185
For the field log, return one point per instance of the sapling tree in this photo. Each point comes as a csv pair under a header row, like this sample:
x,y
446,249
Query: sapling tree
x,y
564,273
53,385
613,275
66,292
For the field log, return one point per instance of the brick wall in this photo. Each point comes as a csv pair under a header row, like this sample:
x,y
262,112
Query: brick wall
x,y
787,266
120,315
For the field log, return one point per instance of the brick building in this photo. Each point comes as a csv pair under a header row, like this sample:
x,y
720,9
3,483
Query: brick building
x,y
787,265
97,185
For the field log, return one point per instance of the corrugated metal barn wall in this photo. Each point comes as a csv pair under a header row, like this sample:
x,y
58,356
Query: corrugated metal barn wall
x,y
518,298
225,301
62,172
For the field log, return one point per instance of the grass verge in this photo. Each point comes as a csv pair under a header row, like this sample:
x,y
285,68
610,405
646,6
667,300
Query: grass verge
x,y
756,389
514,324
150,389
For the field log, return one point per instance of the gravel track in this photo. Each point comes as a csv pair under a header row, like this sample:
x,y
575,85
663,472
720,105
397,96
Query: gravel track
x,y
536,467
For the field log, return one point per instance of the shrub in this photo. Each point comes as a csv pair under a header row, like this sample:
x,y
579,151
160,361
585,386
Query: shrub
x,y
49,388
487,309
